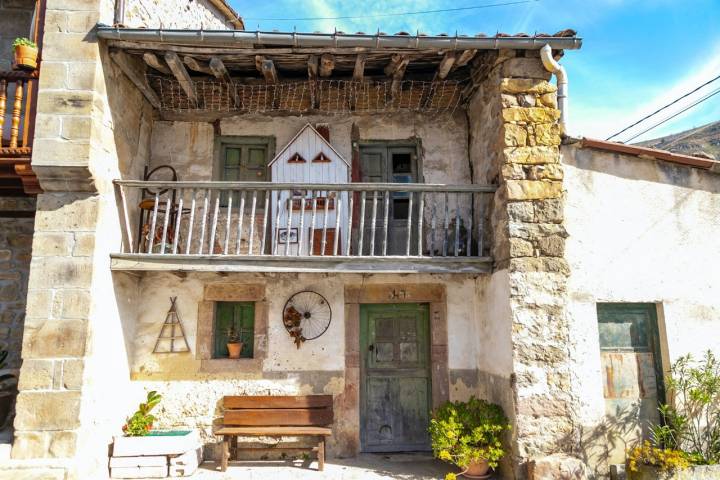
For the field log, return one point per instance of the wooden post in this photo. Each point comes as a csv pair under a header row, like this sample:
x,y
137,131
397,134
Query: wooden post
x,y
17,111
3,100
225,453
321,455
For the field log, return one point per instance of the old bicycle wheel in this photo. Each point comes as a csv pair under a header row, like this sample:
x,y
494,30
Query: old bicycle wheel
x,y
307,315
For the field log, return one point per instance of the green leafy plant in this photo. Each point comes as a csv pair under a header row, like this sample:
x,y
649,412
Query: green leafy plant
x,y
691,421
233,336
463,432
24,42
142,420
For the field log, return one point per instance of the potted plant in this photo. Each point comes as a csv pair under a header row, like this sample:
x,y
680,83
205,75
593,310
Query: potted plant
x,y
26,53
469,435
142,420
234,345
8,387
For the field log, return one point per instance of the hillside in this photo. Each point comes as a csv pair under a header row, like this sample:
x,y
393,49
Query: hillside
x,y
706,140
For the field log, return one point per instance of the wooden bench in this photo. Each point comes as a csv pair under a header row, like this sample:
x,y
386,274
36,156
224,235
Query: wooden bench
x,y
275,416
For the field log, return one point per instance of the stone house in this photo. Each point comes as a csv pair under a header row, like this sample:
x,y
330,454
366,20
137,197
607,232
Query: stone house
x,y
475,250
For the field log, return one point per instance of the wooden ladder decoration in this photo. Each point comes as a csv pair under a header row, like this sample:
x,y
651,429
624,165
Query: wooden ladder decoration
x,y
167,343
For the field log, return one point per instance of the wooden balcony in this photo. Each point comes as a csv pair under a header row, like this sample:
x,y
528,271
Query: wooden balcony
x,y
274,227
18,91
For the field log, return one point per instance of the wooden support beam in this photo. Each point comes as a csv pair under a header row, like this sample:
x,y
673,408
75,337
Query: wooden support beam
x,y
396,67
313,69
182,76
267,68
196,66
359,71
446,64
396,70
154,62
133,70
465,57
218,69
327,64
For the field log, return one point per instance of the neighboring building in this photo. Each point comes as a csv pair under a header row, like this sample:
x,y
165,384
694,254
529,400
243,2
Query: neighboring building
x,y
442,241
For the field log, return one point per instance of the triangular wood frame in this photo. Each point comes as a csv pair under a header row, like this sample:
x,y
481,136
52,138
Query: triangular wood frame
x,y
321,158
172,321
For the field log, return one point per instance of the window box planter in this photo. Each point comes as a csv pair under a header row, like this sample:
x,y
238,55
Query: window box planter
x,y
158,442
698,472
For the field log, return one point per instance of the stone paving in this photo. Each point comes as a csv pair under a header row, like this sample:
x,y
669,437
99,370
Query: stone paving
x,y
364,467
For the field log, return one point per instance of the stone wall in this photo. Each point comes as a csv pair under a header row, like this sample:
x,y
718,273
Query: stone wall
x,y
640,231
15,21
192,14
515,108
15,246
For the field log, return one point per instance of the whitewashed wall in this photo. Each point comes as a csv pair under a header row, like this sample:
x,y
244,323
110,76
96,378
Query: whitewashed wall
x,y
640,231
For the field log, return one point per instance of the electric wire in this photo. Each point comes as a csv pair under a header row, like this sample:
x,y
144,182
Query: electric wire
x,y
399,14
663,108
692,132
706,97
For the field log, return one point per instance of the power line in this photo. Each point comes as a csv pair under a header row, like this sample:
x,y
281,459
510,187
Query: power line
x,y
421,12
706,97
662,108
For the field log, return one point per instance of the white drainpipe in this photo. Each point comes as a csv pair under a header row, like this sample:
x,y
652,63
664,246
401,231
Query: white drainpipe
x,y
551,65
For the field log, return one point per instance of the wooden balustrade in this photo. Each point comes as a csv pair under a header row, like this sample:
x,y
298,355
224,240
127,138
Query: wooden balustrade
x,y
264,219
17,93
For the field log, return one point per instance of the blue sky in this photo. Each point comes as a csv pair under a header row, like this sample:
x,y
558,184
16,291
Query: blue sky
x,y
637,55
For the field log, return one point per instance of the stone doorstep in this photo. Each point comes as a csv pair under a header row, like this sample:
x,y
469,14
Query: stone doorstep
x,y
155,445
139,472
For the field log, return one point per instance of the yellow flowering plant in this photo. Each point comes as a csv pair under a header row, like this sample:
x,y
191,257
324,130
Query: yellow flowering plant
x,y
463,432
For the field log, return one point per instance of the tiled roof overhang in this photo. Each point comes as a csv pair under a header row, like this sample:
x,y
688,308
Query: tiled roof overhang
x,y
664,155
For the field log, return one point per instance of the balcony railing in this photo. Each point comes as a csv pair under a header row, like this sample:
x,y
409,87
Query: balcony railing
x,y
17,91
263,222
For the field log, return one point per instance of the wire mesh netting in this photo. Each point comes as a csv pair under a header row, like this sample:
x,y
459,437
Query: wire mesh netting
x,y
324,96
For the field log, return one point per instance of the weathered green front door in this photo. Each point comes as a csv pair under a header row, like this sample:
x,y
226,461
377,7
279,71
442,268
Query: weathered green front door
x,y
395,377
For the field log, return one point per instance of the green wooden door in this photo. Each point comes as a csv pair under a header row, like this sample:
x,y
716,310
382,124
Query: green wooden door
x,y
632,372
240,316
395,377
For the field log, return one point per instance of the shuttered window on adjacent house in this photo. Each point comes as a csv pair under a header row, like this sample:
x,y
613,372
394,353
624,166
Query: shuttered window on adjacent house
x,y
241,315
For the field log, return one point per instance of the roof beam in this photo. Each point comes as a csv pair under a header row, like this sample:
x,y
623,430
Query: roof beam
x,y
396,70
465,57
196,66
446,64
221,72
217,67
155,63
313,68
182,76
396,67
135,71
359,70
327,64
267,68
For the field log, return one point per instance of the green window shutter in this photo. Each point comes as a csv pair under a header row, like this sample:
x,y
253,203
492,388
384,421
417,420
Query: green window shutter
x,y
241,315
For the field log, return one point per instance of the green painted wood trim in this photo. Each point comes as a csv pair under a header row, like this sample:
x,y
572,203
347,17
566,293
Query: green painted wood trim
x,y
242,315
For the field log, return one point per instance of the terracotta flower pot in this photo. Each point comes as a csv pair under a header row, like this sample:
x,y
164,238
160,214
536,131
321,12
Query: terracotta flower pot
x,y
26,57
477,469
234,349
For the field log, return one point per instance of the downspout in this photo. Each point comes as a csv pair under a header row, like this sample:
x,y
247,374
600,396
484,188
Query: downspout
x,y
551,65
119,18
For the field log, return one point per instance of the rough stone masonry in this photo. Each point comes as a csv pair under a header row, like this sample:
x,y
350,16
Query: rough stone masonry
x,y
529,241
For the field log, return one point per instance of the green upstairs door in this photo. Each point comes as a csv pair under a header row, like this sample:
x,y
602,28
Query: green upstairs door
x,y
395,377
